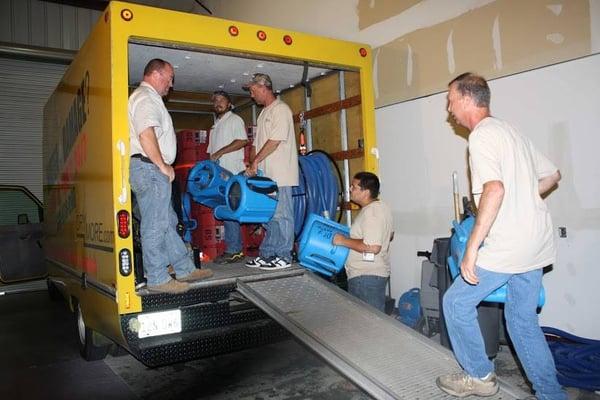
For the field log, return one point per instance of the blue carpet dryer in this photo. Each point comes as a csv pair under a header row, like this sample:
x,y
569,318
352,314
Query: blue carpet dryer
x,y
207,181
316,252
250,200
458,243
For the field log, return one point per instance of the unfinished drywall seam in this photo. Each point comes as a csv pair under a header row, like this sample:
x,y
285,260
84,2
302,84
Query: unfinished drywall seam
x,y
422,15
409,66
555,8
450,52
497,44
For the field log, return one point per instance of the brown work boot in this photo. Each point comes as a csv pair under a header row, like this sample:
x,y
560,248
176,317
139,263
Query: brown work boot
x,y
463,385
173,286
197,275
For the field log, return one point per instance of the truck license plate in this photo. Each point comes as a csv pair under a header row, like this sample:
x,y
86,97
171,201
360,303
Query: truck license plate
x,y
159,323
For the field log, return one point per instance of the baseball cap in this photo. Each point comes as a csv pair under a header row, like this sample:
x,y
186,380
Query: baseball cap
x,y
221,93
259,79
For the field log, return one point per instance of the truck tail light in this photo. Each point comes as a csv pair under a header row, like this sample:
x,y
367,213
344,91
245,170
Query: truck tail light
x,y
123,224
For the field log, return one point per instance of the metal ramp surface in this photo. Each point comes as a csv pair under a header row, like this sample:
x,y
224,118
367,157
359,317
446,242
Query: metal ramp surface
x,y
385,358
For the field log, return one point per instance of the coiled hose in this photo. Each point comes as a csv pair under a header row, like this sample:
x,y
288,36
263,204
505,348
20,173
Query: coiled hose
x,y
319,188
577,359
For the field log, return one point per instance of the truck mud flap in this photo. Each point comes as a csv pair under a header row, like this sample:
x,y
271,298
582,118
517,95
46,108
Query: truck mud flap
x,y
380,355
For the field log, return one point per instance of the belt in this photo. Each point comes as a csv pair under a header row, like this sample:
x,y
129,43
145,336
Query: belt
x,y
142,158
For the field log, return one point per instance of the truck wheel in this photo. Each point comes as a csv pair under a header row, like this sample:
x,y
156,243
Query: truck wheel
x,y
53,291
89,351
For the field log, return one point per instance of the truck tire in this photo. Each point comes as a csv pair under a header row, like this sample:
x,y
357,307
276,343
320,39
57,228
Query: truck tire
x,y
85,339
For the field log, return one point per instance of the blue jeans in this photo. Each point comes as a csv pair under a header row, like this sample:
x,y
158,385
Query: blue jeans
x,y
161,244
370,289
520,311
233,237
279,235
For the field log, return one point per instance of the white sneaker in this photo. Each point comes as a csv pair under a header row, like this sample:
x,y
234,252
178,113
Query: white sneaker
x,y
257,262
276,263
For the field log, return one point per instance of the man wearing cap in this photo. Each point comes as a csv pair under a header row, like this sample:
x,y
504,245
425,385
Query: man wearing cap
x,y
276,155
226,145
153,148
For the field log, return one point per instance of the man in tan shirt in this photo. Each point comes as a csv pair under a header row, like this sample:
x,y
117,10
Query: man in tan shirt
x,y
510,244
276,155
153,148
368,262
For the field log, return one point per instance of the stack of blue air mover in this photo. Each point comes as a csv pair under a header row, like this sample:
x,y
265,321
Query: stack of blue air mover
x,y
233,197
254,199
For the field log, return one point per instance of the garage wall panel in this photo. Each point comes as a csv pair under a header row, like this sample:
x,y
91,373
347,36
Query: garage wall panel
x,y
46,24
26,86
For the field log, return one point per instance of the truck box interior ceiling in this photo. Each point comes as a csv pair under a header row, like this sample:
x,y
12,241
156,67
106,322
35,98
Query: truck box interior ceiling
x,y
197,71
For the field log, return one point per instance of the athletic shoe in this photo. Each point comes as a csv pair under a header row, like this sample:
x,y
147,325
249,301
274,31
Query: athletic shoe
x,y
257,262
229,258
463,385
276,263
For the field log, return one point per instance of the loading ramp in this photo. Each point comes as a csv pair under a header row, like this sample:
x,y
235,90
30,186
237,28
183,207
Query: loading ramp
x,y
380,355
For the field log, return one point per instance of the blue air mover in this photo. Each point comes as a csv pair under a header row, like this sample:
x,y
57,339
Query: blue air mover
x,y
409,307
316,252
458,243
206,183
249,200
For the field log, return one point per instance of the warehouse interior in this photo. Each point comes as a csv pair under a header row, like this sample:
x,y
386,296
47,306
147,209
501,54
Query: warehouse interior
x,y
541,60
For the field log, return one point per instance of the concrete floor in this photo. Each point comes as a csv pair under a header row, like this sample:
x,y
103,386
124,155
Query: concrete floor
x,y
40,360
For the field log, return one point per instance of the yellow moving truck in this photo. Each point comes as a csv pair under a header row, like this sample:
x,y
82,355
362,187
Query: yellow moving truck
x,y
88,213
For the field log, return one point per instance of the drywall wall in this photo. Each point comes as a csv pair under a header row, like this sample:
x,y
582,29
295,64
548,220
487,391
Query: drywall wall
x,y
497,39
420,45
557,107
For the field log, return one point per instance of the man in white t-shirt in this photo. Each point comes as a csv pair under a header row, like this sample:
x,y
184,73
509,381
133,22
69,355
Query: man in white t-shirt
x,y
153,148
368,262
276,155
226,145
511,243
